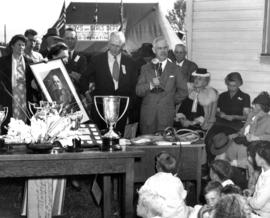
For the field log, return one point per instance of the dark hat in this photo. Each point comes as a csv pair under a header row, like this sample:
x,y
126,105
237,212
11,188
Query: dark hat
x,y
52,32
263,99
55,49
17,38
146,50
202,72
219,143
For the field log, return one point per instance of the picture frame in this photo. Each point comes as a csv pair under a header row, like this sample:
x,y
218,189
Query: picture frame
x,y
56,85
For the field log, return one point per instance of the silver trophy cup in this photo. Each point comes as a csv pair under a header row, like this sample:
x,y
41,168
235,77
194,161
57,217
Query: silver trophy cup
x,y
111,105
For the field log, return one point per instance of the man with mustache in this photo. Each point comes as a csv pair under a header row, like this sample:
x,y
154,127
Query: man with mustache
x,y
162,87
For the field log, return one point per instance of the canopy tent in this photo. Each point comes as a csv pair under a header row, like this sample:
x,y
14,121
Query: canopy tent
x,y
142,22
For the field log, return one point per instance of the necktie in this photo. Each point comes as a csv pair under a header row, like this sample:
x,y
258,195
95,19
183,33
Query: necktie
x,y
19,93
69,56
116,69
159,70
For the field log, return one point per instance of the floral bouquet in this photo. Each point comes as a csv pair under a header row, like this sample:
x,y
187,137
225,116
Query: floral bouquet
x,y
46,125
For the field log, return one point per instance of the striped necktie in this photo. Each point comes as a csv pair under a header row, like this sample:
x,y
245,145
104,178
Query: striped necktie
x,y
19,93
116,69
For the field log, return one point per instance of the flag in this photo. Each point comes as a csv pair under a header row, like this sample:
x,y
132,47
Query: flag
x,y
61,22
121,15
95,17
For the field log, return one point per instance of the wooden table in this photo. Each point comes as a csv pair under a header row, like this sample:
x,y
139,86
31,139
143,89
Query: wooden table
x,y
21,164
189,160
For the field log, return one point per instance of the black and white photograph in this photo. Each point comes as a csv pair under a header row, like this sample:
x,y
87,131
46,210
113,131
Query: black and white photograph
x,y
57,86
164,108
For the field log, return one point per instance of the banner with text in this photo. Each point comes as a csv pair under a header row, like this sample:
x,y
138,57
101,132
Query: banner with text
x,y
94,32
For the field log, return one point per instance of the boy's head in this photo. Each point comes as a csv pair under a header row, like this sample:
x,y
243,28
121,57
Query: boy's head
x,y
212,193
165,162
220,170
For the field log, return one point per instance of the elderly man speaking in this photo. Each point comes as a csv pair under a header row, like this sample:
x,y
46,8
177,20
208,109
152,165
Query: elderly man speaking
x,y
162,87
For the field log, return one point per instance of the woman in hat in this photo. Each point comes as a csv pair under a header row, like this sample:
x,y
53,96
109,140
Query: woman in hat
x,y
198,110
16,78
232,110
257,127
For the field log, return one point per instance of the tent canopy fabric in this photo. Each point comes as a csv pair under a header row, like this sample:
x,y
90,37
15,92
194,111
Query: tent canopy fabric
x,y
143,22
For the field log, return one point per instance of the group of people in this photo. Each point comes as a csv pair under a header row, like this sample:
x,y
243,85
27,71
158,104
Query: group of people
x,y
18,84
163,194
166,88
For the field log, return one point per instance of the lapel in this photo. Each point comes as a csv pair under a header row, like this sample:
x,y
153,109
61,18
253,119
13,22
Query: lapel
x,y
122,63
75,54
165,74
7,71
107,71
185,65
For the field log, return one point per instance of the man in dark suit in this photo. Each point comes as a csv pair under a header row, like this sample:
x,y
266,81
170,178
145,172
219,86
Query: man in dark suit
x,y
111,73
187,67
77,63
162,86
15,80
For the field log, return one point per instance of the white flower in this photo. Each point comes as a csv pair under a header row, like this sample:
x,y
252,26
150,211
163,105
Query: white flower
x,y
155,61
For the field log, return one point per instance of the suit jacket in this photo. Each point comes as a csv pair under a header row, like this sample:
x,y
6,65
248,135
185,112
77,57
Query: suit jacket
x,y
99,72
158,109
78,64
6,83
187,69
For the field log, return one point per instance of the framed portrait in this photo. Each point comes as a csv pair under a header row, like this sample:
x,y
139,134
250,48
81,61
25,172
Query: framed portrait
x,y
56,85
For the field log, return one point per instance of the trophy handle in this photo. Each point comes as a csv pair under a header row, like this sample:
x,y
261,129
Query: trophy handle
x,y
95,102
30,105
126,107
6,113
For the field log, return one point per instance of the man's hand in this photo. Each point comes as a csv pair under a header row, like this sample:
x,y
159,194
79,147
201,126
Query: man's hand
x,y
156,81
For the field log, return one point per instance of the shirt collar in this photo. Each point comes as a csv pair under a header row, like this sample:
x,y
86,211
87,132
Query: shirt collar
x,y
111,57
180,64
163,63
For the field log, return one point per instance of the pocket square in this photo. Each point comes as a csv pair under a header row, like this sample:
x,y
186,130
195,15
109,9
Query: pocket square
x,y
171,76
76,59
124,69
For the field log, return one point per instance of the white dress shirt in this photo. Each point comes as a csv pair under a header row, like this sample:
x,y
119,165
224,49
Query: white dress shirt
x,y
180,64
111,62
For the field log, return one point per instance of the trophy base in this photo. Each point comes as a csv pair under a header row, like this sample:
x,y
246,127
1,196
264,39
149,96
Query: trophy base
x,y
109,144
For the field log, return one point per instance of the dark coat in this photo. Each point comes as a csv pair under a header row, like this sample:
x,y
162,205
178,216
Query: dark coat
x,y
78,64
6,84
99,72
187,69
